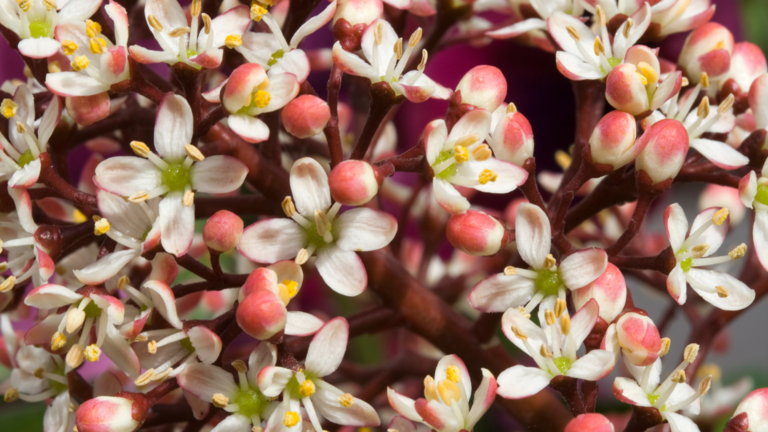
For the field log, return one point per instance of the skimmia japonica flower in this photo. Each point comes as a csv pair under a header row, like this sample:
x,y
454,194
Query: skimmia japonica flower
x,y
553,347
385,61
318,228
544,9
176,174
637,337
544,282
34,22
668,16
27,257
754,194
445,405
694,250
169,352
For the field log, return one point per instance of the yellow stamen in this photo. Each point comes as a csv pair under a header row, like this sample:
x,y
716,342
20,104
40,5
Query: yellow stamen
x,y
346,400
102,226
75,356
290,419
549,316
704,80
152,347
453,374
58,340
710,369
138,197
95,46
738,252
194,8
220,401
665,344
79,63
140,148
194,153
720,216
678,377
92,353
8,108
449,392
288,207
563,159
573,32
430,389
565,323
628,27
511,108
257,12
703,110
8,284
261,98
599,48
722,291
307,388
690,353
560,307
240,366
263,85
68,46
154,23
519,333
415,37
178,32
482,152
233,41
11,395
487,176
92,28
651,74
188,199
549,262
462,154
510,271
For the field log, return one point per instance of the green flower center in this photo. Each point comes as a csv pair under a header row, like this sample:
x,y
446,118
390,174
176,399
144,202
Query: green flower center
x,y
451,170
277,55
26,158
294,386
762,194
613,61
187,344
563,364
191,53
548,281
176,177
652,398
91,310
313,237
251,402
39,29
686,264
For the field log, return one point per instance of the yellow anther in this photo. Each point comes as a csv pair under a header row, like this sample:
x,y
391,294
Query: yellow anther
x,y
563,159
154,23
549,316
704,385
138,197
101,227
545,352
54,66
139,338
703,110
560,307
21,127
423,62
519,333
75,356
398,48
288,207
573,32
79,63
726,104
140,148
194,8
599,48
430,388
92,353
643,79
511,108
521,310
699,250
287,290
39,373
261,98
73,320
240,366
11,395
487,176
92,28
665,344
206,23
188,199
462,154
8,108
453,374
648,71
482,152
290,419
96,45
158,377
449,392
257,12
220,401
600,15
549,262
8,284
68,46
722,291
720,216
263,85
145,378
178,32
704,80
415,37
123,282
346,400
510,271
307,388
24,5
685,82
233,41
738,252
377,33
152,347
322,222
690,353
58,340
678,377
467,140
710,369
630,22
302,256
194,153
565,324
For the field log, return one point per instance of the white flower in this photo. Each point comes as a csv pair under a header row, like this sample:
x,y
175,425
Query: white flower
x,y
307,386
669,16
553,347
168,347
445,406
318,228
462,158
670,396
193,46
537,26
544,283
34,22
693,251
175,174
154,294
26,256
386,60
753,192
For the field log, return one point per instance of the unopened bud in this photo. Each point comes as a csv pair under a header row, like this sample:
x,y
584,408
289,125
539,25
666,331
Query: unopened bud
x,y
484,87
613,140
359,11
306,116
476,233
261,314
353,182
665,146
222,231
707,49
639,338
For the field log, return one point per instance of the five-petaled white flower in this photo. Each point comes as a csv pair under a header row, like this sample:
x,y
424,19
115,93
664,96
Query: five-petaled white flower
x,y
693,250
753,192
317,227
537,26
175,174
26,256
307,386
445,406
553,347
463,158
544,283
386,60
669,16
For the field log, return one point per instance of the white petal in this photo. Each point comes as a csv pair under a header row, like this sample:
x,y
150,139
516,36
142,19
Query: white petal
x,y
676,224
177,224
126,175
448,197
484,396
476,122
739,296
342,270
218,174
26,177
148,56
760,237
327,347
627,391
51,296
74,84
364,229
234,21
117,349
56,418
170,15
434,137
714,235
583,321
251,129
283,87
39,48
583,267
508,175
388,39
273,379
676,284
360,413
720,153
124,216
500,292
536,336
682,392
312,25
173,127
401,424
519,28
680,423
594,365
533,234
302,324
520,382
403,405
164,300
105,267
49,120
637,371
78,10
309,185
293,62
275,422
272,240
204,381
233,423
748,189
352,64
263,356
106,384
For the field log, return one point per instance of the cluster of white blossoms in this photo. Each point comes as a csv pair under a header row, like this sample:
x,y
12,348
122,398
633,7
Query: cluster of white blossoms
x,y
173,178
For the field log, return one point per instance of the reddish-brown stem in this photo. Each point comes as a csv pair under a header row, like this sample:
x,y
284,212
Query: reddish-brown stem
x,y
50,178
331,130
270,148
664,262
382,100
643,418
161,390
530,189
644,201
569,388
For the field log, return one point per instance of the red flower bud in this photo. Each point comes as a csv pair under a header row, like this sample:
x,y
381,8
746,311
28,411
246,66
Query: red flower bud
x,y
609,290
222,231
306,116
590,422
665,145
625,90
639,338
359,11
484,87
512,139
707,49
125,412
262,314
353,182
613,140
476,233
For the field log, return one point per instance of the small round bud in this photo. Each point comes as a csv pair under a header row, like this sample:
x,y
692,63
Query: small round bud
x,y
747,63
609,290
639,338
612,141
665,145
707,49
625,89
124,412
353,182
306,116
512,140
590,422
476,233
484,87
262,314
359,11
222,231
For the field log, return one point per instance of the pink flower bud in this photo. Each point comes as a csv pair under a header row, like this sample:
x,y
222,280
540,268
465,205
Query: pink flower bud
x,y
262,314
222,231
625,90
758,101
242,81
755,405
124,412
665,145
353,182
590,422
87,110
707,49
263,278
747,63
359,11
484,87
639,338
512,140
476,233
609,290
612,141
306,116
